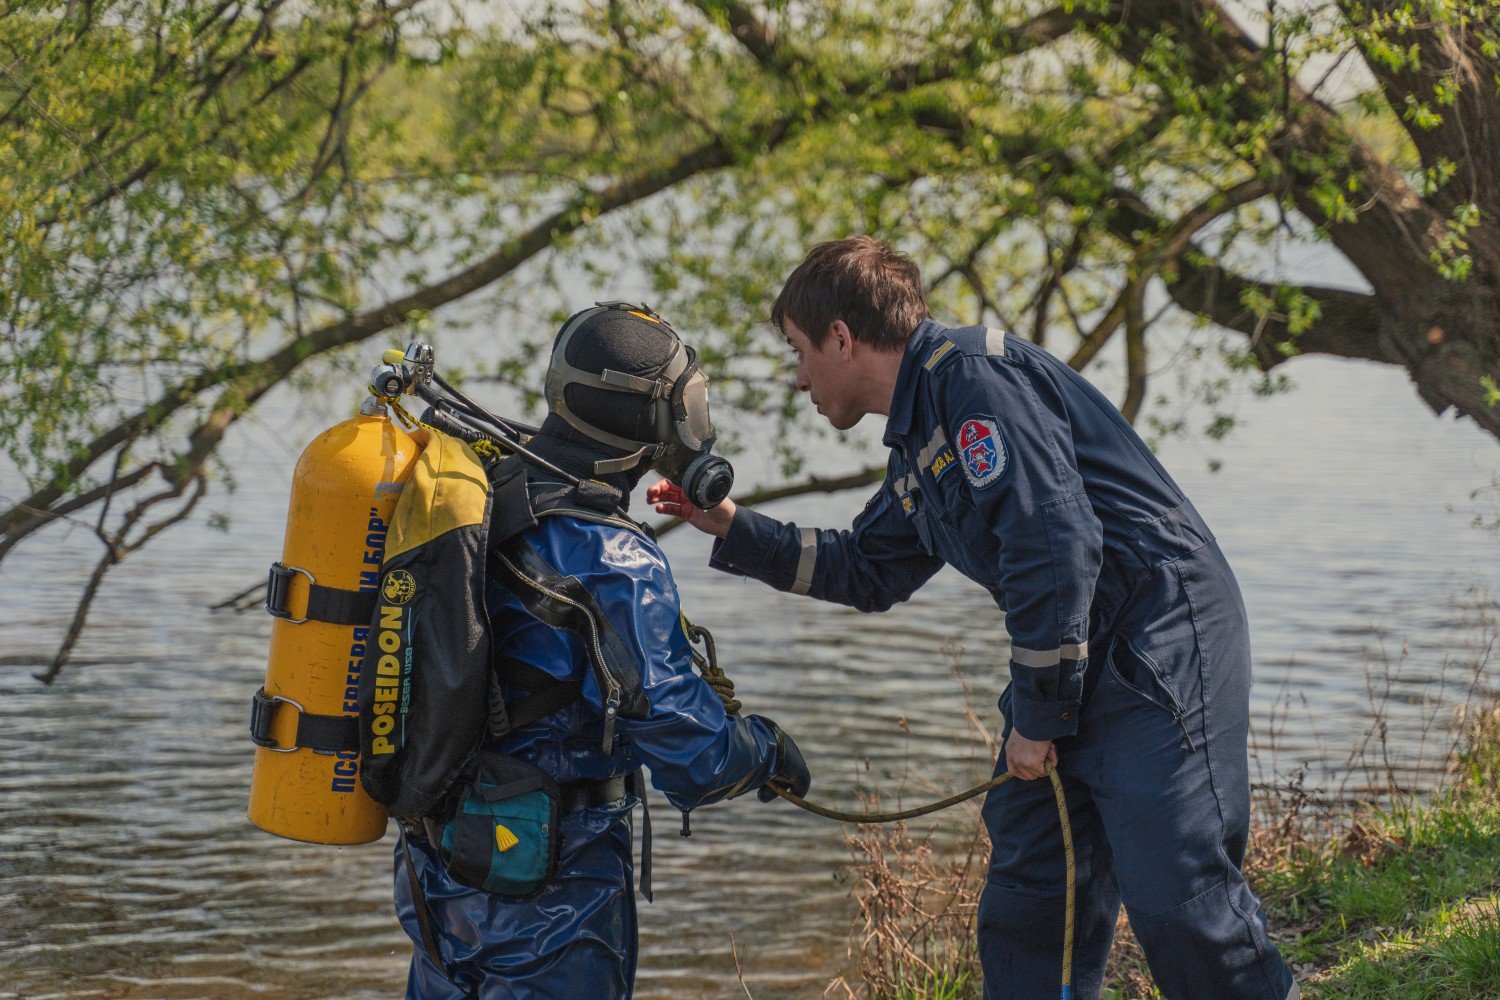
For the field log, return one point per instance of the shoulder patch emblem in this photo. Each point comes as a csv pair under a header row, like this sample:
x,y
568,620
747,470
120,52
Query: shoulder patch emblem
x,y
981,451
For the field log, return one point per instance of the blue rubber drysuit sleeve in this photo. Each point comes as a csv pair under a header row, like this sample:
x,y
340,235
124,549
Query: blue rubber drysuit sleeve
x,y
876,564
1027,488
696,753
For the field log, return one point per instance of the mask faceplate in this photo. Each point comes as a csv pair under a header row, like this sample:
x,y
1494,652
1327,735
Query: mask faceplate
x,y
678,395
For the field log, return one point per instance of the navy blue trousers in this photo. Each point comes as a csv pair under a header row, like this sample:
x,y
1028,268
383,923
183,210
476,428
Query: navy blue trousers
x,y
576,938
1157,785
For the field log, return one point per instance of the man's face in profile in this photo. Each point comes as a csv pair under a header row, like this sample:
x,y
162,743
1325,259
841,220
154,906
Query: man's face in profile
x,y
826,374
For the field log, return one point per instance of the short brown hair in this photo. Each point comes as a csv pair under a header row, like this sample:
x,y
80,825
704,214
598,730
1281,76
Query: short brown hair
x,y
863,281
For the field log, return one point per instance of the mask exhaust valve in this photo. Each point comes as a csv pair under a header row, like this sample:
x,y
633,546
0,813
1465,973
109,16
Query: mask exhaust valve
x,y
707,481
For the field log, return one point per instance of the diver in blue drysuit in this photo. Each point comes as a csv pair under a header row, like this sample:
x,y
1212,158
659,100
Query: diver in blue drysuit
x,y
577,937
1129,648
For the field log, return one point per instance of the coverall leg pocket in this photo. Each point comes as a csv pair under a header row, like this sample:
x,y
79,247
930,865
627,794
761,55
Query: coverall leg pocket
x,y
1176,818
1140,675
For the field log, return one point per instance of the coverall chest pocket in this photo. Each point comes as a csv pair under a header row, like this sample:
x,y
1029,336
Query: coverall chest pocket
x,y
1140,674
972,545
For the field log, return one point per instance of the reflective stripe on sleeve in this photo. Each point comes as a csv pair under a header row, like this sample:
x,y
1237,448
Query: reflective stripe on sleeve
x,y
1049,657
806,561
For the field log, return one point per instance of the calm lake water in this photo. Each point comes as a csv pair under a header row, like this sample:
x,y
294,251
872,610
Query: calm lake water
x,y
127,867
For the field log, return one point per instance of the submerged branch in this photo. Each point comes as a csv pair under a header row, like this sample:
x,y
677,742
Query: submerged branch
x,y
117,546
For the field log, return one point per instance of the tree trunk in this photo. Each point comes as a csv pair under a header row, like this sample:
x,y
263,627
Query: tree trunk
x,y
1448,338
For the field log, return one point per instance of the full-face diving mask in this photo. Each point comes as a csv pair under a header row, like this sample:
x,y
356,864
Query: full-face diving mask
x,y
678,396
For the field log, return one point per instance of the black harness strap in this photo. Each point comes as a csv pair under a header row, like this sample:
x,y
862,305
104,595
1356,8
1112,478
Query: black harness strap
x,y
419,904
547,693
585,793
563,603
324,604
538,706
325,734
635,784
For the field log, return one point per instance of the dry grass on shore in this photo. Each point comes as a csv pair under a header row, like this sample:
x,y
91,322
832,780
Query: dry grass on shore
x,y
1391,895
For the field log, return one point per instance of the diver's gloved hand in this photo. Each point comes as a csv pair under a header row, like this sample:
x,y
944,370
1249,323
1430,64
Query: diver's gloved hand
x,y
791,770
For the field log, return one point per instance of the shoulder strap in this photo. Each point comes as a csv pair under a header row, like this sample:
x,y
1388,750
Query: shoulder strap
x,y
563,602
524,493
510,508
589,500
966,341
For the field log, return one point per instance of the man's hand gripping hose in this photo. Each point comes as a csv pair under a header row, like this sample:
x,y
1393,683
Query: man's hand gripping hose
x,y
708,665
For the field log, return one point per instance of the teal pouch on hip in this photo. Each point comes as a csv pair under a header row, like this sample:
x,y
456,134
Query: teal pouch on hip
x,y
503,835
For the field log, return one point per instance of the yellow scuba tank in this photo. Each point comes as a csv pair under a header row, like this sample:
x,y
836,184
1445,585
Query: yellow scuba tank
x,y
306,783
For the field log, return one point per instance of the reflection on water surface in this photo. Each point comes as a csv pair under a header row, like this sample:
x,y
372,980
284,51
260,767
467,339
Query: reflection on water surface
x,y
127,867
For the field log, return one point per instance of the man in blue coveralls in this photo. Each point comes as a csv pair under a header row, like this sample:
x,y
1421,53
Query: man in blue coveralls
x,y
1129,646
576,938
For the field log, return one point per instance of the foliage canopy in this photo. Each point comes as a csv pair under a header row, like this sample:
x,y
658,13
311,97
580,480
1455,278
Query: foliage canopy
x,y
202,200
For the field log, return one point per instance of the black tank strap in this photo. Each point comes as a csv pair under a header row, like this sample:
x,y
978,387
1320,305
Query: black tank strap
x,y
324,604
326,734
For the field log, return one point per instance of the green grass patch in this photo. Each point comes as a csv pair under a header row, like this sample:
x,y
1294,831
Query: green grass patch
x,y
1452,952
936,987
1404,904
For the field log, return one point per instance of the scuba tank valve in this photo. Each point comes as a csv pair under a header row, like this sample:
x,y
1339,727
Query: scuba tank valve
x,y
412,372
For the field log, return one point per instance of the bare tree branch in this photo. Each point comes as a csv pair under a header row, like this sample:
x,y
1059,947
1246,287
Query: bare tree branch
x,y
253,595
1135,352
1349,323
116,547
1002,38
1041,300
